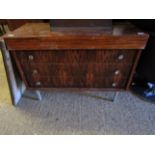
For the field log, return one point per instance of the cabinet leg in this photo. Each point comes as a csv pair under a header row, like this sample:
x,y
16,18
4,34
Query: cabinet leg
x,y
34,95
103,98
38,94
115,97
16,85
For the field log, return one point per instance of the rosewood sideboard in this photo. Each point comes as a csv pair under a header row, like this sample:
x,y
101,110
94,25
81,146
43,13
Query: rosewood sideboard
x,y
92,59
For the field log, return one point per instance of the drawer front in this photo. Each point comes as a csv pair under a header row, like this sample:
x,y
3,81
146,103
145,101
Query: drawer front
x,y
77,56
76,68
76,82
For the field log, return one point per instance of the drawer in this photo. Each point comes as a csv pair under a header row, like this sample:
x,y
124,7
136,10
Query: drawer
x,y
76,82
82,69
77,56
76,68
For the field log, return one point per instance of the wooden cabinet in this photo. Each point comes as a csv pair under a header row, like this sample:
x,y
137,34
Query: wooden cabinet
x,y
47,59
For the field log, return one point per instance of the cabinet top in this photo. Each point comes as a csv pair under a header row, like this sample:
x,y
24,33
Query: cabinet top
x,y
40,36
44,29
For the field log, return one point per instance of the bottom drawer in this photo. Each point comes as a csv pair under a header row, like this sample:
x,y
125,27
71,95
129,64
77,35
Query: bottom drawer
x,y
76,82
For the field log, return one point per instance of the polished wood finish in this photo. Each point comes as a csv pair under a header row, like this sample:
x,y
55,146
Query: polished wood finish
x,y
95,59
69,68
16,23
40,37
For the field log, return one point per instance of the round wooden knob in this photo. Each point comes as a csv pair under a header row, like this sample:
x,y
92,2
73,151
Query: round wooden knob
x,y
38,83
117,72
114,84
121,57
31,57
35,71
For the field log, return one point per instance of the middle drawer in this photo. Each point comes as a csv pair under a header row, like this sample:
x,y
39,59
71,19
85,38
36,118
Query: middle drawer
x,y
76,69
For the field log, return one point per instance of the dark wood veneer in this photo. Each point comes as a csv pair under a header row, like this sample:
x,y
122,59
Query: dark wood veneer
x,y
76,60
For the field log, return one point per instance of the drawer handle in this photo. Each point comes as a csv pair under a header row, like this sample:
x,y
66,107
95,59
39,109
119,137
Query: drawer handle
x,y
35,72
38,83
117,72
31,57
121,57
114,84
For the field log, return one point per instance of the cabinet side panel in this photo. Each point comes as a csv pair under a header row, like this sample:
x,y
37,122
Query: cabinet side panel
x,y
20,69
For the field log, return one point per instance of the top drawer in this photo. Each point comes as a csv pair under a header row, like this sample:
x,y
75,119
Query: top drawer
x,y
77,56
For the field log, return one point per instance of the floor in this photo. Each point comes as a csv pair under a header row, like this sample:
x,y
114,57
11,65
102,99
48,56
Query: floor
x,y
74,113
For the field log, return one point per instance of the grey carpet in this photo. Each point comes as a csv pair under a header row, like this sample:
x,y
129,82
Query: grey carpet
x,y
74,113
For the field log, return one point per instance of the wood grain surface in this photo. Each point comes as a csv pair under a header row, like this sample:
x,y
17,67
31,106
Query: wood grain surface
x,y
40,37
94,59
76,68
